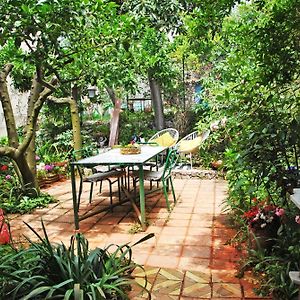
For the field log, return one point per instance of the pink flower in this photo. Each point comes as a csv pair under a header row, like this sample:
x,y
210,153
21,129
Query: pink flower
x,y
7,177
37,158
279,212
49,168
297,219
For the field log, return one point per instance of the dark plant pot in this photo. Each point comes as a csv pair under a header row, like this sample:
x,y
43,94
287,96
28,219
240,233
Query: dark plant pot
x,y
263,238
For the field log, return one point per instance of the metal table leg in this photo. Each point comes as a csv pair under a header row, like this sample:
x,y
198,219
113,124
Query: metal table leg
x,y
74,196
142,195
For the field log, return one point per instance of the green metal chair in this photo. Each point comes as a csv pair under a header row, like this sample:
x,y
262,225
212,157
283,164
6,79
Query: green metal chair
x,y
163,174
98,175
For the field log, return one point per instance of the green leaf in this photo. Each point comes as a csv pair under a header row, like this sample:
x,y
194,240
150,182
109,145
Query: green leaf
x,y
36,292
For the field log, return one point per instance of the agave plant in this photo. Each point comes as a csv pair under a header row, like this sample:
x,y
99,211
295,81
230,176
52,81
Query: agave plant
x,y
48,271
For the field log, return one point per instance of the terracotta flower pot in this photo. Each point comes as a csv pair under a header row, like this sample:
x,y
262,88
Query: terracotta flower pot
x,y
216,164
50,178
4,232
61,163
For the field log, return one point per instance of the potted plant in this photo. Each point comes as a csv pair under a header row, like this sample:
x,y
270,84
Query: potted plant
x,y
49,173
263,221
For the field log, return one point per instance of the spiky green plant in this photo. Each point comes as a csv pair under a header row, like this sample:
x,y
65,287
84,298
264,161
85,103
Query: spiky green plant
x,y
48,271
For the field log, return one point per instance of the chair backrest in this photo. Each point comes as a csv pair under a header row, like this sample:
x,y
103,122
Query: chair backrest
x,y
170,162
195,134
190,136
205,134
191,142
172,131
79,154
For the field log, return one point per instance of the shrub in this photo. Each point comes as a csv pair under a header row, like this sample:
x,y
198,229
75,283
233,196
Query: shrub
x,y
135,123
48,271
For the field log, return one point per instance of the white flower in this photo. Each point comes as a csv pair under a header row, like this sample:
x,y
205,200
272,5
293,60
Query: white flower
x,y
223,122
214,126
263,225
40,166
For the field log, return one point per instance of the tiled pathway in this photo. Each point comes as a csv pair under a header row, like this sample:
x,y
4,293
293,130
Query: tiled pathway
x,y
187,259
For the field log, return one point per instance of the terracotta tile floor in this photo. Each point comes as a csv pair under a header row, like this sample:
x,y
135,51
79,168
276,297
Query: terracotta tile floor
x,y
187,259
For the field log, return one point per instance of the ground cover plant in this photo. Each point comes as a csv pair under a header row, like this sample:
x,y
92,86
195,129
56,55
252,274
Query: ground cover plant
x,y
13,197
56,271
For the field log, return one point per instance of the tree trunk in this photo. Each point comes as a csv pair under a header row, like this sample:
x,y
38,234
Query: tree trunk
x,y
157,102
17,151
75,119
28,177
23,170
114,124
36,89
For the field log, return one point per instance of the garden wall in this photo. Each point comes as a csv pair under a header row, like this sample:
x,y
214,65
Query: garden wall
x,y
19,104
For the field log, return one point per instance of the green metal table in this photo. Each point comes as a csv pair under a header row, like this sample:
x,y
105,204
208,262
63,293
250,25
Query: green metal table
x,y
114,157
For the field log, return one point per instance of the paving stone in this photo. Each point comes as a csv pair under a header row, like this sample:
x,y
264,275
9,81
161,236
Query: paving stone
x,y
226,290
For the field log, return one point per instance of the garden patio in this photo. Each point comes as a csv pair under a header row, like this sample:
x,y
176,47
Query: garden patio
x,y
188,258
83,84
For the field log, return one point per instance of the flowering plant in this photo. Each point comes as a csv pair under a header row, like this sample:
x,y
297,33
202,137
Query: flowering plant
x,y
45,169
263,216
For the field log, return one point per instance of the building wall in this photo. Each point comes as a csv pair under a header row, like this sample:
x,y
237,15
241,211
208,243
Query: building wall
x,y
19,104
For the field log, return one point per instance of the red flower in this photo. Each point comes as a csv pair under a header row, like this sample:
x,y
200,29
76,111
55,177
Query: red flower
x,y
251,213
4,168
254,200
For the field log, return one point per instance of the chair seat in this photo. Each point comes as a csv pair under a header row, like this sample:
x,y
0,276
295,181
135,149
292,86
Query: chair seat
x,y
103,169
149,175
105,175
189,146
162,175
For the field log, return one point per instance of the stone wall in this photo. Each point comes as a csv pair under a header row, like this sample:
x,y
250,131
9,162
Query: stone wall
x,y
19,104
195,173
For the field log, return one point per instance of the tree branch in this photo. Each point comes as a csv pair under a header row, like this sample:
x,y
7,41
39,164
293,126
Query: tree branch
x,y
44,83
60,100
32,122
111,94
10,122
7,151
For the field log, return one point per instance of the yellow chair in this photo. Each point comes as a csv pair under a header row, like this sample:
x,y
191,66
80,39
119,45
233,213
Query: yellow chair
x,y
190,144
167,137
